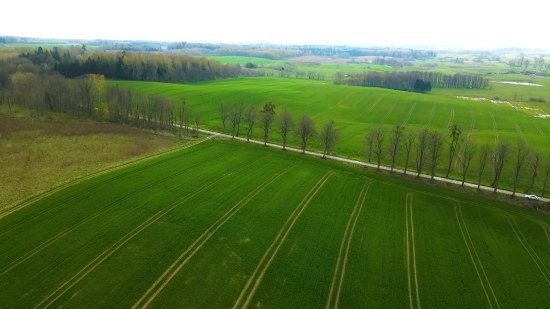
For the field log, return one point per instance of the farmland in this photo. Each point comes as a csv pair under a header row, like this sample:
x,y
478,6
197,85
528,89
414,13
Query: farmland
x,y
225,224
355,110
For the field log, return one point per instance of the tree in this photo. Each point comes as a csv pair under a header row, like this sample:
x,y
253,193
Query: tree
x,y
410,138
484,152
465,156
379,134
198,114
546,174
500,158
521,153
305,130
421,144
286,124
224,114
268,113
370,137
250,115
534,167
329,135
235,117
456,131
395,143
435,142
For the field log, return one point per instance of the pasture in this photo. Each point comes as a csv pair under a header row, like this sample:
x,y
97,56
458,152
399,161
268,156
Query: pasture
x,y
356,110
224,224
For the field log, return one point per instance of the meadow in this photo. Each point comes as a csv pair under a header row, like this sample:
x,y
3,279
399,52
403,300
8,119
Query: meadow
x,y
356,110
36,156
225,224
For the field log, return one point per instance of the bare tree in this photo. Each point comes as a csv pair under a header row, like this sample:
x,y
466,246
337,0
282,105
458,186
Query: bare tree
x,y
370,137
395,143
267,116
286,124
546,174
456,131
250,115
380,135
534,167
224,114
410,138
421,144
434,144
329,135
198,114
235,116
521,153
465,156
500,158
305,130
484,152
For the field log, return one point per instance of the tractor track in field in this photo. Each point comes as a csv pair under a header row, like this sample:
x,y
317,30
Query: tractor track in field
x,y
334,106
388,113
538,129
350,110
495,128
411,110
469,243
178,264
346,239
452,118
38,214
472,120
532,253
7,210
359,118
64,287
278,242
411,251
430,117
92,216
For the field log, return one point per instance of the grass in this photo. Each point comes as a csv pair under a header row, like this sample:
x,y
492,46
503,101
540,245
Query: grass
x,y
224,223
35,156
355,110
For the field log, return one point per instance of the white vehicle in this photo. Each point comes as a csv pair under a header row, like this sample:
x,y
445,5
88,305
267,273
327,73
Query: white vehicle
x,y
532,197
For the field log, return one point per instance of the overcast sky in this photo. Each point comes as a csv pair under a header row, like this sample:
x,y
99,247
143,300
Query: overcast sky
x,y
468,23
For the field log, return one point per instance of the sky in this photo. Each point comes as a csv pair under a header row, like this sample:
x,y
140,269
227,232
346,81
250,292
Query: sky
x,y
465,23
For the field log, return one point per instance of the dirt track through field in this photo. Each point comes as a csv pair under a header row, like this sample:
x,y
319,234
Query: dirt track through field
x,y
346,242
278,241
64,287
172,270
462,227
92,216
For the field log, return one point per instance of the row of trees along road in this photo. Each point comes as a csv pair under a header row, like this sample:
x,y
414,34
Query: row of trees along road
x,y
232,115
427,147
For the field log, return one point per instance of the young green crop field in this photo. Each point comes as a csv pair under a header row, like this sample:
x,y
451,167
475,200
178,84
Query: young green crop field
x,y
225,224
356,110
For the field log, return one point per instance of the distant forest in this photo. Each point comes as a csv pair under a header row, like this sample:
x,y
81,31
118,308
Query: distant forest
x,y
411,81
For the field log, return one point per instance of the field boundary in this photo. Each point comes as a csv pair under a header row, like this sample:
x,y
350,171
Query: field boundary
x,y
278,241
119,243
346,242
202,239
9,209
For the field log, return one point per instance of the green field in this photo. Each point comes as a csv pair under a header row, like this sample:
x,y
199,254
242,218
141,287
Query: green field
x,y
355,110
225,224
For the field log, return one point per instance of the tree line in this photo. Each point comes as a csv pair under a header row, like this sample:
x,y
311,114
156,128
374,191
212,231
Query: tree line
x,y
424,148
235,114
416,81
